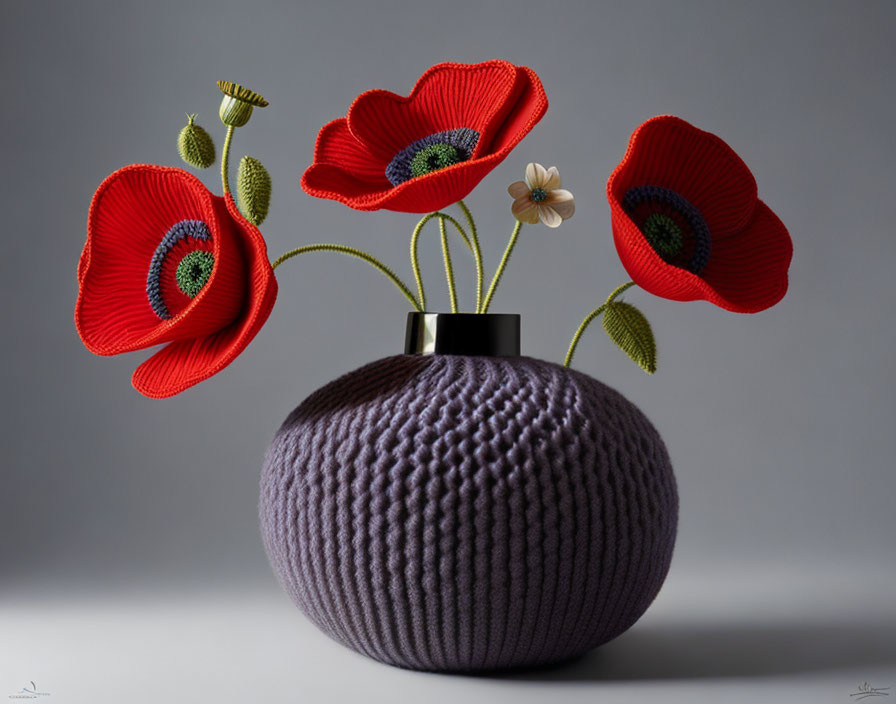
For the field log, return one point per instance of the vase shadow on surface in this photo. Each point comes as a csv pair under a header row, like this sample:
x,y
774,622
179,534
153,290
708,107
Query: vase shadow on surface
x,y
727,650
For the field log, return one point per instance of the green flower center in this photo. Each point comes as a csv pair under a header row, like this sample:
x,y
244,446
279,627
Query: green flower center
x,y
194,271
664,235
538,194
435,157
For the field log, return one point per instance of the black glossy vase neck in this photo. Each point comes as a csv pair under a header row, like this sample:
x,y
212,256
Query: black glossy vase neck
x,y
487,335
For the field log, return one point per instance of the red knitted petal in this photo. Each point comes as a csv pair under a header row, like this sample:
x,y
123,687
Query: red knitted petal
x,y
441,188
645,266
446,97
669,152
747,273
423,194
184,363
334,183
530,106
336,146
131,212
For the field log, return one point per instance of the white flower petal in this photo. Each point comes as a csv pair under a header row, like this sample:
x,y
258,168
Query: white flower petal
x,y
559,195
552,181
518,189
536,175
562,201
564,208
525,210
549,216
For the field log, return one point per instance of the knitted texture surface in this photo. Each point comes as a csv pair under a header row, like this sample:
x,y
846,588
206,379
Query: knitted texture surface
x,y
469,513
714,239
477,112
143,222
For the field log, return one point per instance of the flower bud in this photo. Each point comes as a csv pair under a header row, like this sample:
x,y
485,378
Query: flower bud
x,y
254,189
195,145
237,104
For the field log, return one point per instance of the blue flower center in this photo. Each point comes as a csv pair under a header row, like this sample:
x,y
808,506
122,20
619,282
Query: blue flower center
x,y
674,228
432,153
183,230
538,194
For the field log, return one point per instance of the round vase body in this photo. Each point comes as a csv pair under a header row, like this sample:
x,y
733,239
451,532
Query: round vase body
x,y
457,513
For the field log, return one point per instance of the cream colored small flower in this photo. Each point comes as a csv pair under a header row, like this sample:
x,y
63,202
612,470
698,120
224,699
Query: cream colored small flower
x,y
540,197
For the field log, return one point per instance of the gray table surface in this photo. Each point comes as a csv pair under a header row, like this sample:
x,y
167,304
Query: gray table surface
x,y
734,635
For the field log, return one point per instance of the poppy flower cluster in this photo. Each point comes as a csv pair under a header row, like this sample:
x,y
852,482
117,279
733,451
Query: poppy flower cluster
x,y
167,262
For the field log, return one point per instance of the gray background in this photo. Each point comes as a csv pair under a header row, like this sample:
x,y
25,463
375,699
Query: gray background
x,y
780,425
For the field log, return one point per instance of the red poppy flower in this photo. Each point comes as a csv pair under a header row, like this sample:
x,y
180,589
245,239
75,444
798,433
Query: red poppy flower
x,y
420,153
687,222
168,261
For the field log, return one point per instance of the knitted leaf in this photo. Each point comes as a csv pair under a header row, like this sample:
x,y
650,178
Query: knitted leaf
x,y
629,329
254,189
195,145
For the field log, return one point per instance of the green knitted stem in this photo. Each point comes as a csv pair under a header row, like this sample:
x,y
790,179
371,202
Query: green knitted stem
x,y
477,252
587,321
449,270
194,271
506,258
225,159
195,145
351,251
415,263
631,332
253,184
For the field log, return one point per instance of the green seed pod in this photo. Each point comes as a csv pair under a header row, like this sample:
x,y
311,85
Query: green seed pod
x,y
253,186
234,112
236,106
195,145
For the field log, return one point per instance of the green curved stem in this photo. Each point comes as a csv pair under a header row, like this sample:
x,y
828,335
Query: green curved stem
x,y
506,258
351,251
449,270
415,263
591,316
225,159
477,252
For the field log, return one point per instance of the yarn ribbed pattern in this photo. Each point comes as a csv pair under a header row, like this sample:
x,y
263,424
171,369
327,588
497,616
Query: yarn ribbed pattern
x,y
143,221
354,156
742,266
459,513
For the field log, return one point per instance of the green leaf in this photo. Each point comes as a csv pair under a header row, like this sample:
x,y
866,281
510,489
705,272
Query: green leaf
x,y
254,188
629,329
195,145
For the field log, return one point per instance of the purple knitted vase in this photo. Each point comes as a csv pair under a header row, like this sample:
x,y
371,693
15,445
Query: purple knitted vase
x,y
462,513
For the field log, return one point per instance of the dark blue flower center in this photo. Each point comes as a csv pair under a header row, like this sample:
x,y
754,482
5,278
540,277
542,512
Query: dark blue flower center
x,y
432,153
538,194
185,229
674,228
